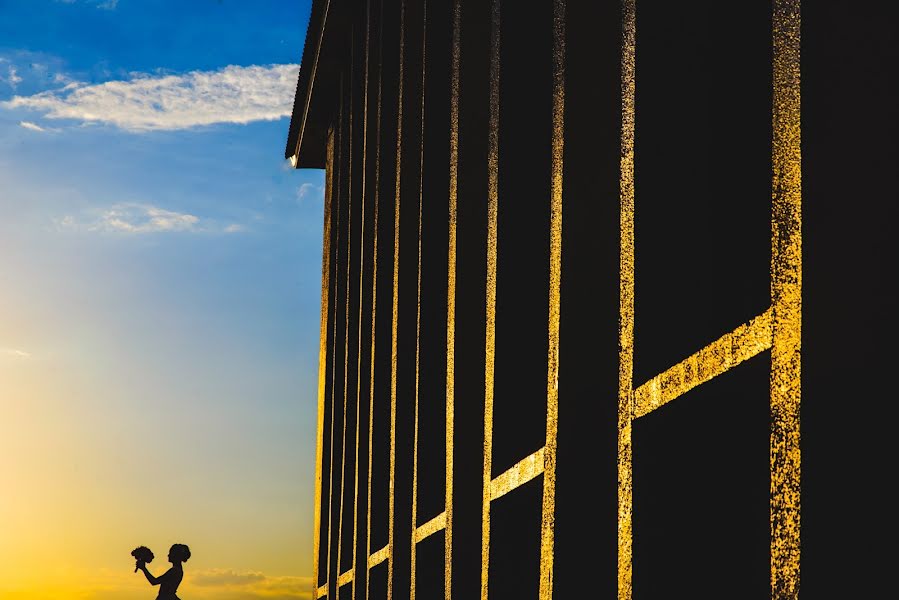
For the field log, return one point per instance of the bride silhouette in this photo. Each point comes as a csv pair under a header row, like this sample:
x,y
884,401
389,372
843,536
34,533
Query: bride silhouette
x,y
169,581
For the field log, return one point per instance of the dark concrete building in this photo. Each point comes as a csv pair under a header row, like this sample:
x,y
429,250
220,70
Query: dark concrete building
x,y
562,296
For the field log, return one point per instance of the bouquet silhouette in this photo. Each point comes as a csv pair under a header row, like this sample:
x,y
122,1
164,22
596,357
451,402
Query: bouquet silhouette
x,y
141,554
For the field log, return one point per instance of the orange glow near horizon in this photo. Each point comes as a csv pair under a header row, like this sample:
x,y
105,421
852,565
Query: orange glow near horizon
x,y
105,446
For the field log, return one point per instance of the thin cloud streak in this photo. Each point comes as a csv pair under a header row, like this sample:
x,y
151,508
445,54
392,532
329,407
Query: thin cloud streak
x,y
102,4
135,218
215,577
144,103
34,127
252,584
141,218
15,353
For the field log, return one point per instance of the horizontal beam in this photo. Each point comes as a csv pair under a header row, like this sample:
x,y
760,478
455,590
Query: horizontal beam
x,y
345,577
378,557
525,470
433,526
726,352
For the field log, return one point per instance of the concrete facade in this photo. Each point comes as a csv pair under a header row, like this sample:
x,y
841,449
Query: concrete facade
x,y
562,297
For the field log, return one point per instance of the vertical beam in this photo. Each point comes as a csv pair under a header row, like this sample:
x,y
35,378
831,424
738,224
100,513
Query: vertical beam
x,y
349,90
470,284
547,536
490,341
421,164
335,424
322,358
451,300
361,318
374,290
626,303
396,281
786,300
588,380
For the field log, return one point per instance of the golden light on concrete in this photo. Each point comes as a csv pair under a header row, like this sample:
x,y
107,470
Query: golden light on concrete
x,y
777,329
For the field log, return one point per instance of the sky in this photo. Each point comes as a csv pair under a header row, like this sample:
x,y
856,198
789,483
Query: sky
x,y
160,269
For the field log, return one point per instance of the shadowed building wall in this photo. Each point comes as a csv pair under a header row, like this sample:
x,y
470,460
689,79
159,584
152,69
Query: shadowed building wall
x,y
544,223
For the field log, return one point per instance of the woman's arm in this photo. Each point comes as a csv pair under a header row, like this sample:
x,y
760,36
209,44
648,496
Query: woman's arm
x,y
150,578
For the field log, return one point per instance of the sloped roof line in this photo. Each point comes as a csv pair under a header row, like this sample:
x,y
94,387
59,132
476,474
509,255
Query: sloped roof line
x,y
311,49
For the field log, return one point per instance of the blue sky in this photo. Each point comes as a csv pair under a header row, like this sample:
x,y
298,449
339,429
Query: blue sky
x,y
160,269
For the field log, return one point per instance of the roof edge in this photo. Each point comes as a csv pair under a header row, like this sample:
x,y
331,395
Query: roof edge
x,y
312,46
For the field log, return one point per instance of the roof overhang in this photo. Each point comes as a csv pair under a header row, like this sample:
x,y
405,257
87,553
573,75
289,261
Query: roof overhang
x,y
317,85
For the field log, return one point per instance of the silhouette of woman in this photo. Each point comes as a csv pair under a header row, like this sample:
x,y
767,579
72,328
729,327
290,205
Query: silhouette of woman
x,y
169,581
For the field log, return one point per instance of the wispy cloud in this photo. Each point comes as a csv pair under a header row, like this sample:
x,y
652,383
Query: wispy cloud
x,y
138,218
143,218
12,78
15,353
134,218
36,127
252,584
309,191
104,4
213,577
146,102
26,72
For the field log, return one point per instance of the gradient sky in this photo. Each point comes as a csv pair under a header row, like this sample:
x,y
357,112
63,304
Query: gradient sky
x,y
160,269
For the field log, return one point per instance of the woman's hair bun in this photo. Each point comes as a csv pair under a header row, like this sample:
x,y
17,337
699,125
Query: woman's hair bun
x,y
181,552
